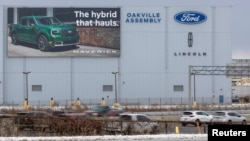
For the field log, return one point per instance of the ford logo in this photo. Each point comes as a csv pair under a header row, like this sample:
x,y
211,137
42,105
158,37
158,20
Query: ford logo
x,y
190,17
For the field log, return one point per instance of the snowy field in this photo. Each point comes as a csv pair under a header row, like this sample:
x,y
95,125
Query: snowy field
x,y
179,137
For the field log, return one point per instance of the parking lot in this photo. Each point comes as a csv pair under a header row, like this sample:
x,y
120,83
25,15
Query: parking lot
x,y
76,124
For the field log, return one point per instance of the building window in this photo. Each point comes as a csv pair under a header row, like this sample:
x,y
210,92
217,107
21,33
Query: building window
x,y
10,15
65,14
36,87
178,88
31,11
106,88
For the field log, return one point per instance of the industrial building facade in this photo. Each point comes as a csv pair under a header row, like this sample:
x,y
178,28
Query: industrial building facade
x,y
124,52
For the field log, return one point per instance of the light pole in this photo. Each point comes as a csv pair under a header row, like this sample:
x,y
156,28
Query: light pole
x,y
194,89
27,91
115,73
194,102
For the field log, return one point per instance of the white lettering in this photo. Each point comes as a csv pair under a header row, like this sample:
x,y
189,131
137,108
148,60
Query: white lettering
x,y
102,14
190,18
84,23
81,14
95,51
216,132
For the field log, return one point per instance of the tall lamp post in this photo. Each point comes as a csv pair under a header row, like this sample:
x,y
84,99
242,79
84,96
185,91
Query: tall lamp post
x,y
194,89
194,102
115,73
27,91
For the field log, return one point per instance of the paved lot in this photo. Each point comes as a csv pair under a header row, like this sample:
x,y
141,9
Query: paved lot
x,y
163,137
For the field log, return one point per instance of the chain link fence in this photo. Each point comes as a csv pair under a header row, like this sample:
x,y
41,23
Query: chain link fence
x,y
139,104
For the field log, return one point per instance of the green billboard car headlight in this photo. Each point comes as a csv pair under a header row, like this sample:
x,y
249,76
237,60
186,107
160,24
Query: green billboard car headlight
x,y
55,32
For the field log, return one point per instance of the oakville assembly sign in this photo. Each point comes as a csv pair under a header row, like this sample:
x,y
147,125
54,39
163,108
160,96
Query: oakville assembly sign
x,y
69,32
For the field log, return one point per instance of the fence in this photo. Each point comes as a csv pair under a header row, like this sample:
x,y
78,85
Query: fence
x,y
12,126
140,103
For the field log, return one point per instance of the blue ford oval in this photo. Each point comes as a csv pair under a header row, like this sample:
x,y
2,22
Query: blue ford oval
x,y
190,17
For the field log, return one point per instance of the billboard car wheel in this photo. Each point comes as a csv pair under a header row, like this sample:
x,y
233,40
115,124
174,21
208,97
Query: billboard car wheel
x,y
43,43
14,39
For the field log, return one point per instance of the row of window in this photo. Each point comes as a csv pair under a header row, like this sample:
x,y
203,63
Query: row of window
x,y
39,88
105,88
63,14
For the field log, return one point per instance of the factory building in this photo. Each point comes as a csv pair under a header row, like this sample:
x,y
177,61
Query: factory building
x,y
125,52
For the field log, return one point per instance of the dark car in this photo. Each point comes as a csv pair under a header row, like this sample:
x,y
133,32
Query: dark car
x,y
58,113
131,123
100,110
33,120
76,116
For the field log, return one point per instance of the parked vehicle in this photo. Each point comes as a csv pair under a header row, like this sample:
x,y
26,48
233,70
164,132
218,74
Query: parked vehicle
x,y
195,118
46,32
58,113
132,123
76,116
33,120
228,117
100,110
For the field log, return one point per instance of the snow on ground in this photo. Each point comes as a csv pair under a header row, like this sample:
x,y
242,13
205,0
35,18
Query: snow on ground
x,y
109,138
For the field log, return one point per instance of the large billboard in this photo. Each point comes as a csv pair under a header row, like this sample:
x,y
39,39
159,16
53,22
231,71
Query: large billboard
x,y
63,32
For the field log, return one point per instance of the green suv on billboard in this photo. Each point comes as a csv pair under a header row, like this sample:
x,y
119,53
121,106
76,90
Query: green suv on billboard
x,y
46,32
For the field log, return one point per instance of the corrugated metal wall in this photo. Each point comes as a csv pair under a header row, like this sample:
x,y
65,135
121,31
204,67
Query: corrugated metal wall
x,y
147,66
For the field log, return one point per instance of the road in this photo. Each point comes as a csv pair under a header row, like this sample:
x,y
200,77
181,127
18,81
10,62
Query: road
x,y
163,137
